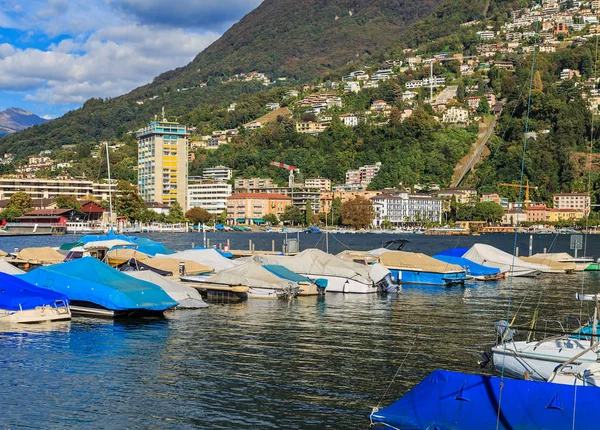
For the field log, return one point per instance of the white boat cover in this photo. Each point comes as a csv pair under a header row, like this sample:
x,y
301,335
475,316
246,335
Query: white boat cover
x,y
489,256
251,274
6,267
43,255
416,261
207,257
360,257
317,262
557,264
188,297
107,244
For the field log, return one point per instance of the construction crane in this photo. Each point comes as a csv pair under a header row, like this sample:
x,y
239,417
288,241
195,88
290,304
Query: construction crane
x,y
527,188
292,170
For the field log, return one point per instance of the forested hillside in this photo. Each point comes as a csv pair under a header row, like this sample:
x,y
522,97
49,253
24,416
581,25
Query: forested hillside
x,y
299,40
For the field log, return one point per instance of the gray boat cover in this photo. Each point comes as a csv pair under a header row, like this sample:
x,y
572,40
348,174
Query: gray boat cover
x,y
251,274
319,263
6,267
188,297
507,263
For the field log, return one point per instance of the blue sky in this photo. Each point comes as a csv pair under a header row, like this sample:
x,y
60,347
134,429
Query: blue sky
x,y
56,54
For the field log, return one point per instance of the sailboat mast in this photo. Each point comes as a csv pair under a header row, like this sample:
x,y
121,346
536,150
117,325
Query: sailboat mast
x,y
109,188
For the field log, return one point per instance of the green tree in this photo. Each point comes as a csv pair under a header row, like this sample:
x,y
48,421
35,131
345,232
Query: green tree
x,y
222,219
198,215
270,219
292,215
484,106
488,211
10,214
175,214
20,201
308,214
335,215
128,202
68,202
358,212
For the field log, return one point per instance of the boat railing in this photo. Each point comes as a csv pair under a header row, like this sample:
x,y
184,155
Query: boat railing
x,y
61,306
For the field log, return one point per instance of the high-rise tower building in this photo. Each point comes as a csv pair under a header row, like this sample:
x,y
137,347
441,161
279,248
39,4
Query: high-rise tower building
x,y
163,162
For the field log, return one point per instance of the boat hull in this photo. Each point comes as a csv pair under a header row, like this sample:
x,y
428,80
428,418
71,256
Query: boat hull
x,y
93,310
37,315
337,284
539,359
428,278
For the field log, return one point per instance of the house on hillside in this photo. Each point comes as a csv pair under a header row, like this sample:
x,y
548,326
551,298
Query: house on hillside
x,y
456,115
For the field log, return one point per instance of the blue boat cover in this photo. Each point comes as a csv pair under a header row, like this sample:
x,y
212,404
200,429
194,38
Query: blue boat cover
x,y
285,273
454,252
473,269
453,400
89,280
16,294
149,246
145,245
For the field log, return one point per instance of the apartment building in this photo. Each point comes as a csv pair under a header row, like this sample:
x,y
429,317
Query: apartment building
x,y
38,188
251,207
321,184
163,162
363,175
218,173
403,208
246,184
211,196
578,201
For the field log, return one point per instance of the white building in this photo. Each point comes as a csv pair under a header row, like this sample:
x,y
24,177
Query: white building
x,y
38,188
456,115
576,201
352,86
273,106
349,120
211,196
404,208
218,173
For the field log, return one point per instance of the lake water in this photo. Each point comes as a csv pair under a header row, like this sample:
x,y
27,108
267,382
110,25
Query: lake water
x,y
310,363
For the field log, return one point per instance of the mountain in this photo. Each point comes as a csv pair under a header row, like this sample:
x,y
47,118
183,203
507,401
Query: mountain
x,y
15,119
297,39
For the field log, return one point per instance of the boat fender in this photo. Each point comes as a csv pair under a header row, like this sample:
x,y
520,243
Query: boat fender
x,y
321,286
485,358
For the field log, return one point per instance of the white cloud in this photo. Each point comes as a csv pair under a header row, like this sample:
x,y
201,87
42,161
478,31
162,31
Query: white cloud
x,y
104,48
115,61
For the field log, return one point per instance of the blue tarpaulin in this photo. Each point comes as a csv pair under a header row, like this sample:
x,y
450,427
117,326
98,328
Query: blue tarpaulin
x,y
285,273
454,400
454,252
472,268
145,245
89,280
16,294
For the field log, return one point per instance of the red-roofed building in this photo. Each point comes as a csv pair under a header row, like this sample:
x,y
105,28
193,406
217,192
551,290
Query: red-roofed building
x,y
92,211
538,213
51,216
251,207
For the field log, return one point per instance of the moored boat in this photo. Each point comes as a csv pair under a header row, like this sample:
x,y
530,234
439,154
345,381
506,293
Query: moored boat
x,y
508,264
417,268
22,302
94,288
341,276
